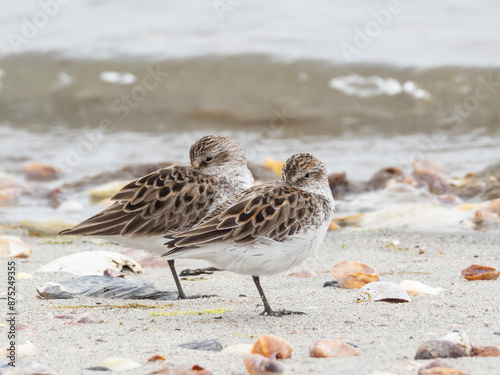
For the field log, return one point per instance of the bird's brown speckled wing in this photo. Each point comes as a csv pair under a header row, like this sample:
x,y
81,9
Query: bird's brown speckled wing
x,y
168,199
269,211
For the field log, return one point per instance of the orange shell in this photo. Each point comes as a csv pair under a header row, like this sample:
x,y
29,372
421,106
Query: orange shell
x,y
268,344
257,364
477,272
326,348
353,275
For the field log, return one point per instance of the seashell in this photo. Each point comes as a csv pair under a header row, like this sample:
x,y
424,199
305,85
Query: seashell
x,y
433,174
494,206
112,273
326,348
485,351
119,364
24,349
416,288
91,263
70,206
84,318
383,291
477,272
439,349
275,165
238,349
257,364
10,190
303,274
107,190
13,247
438,367
34,170
46,227
461,339
155,358
183,370
333,227
26,368
353,275
268,344
381,177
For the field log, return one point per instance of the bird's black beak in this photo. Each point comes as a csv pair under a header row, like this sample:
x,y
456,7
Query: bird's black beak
x,y
287,183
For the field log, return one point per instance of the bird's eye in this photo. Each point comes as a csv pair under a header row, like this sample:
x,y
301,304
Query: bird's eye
x,y
209,159
307,175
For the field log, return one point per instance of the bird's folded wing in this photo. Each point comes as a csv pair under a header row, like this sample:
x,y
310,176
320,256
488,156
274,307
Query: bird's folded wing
x,y
165,200
273,212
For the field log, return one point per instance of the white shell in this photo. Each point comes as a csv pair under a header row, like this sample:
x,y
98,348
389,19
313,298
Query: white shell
x,y
13,247
416,288
119,364
460,339
91,263
384,291
70,206
238,349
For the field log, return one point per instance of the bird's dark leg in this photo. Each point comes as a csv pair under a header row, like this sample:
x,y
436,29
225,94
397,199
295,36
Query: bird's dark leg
x,y
267,307
171,263
182,295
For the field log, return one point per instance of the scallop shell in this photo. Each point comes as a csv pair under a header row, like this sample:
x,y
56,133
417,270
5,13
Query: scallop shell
x,y
383,291
268,344
13,247
353,275
416,288
326,348
477,272
257,364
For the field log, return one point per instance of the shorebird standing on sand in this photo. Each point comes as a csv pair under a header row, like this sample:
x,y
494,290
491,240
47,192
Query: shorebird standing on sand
x,y
266,229
172,199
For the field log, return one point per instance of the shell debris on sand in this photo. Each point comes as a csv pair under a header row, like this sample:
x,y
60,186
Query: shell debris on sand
x,y
257,364
327,348
34,170
416,288
107,190
91,263
46,227
13,247
23,349
268,345
383,291
353,275
438,367
477,272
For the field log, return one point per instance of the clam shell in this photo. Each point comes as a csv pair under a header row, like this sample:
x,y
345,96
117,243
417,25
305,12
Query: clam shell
x,y
477,272
326,348
416,288
353,275
13,247
257,364
383,291
268,344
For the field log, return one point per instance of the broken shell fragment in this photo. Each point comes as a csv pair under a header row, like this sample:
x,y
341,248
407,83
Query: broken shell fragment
x,y
383,291
257,364
326,348
268,344
461,339
353,275
477,272
119,364
13,247
34,170
485,351
416,288
439,349
24,349
91,263
85,318
238,349
438,367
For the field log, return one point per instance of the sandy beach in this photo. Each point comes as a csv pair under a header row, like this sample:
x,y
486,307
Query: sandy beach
x,y
387,335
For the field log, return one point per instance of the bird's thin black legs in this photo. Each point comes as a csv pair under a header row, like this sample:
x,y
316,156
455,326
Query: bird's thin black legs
x,y
171,263
267,307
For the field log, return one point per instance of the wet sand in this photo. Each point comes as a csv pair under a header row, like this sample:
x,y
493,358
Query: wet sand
x,y
387,335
